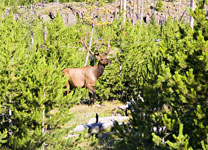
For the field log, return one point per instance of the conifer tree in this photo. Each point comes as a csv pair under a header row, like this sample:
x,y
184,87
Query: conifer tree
x,y
32,83
173,87
199,15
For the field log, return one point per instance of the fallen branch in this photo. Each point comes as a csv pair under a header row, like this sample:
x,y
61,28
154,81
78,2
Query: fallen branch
x,y
104,124
123,108
108,119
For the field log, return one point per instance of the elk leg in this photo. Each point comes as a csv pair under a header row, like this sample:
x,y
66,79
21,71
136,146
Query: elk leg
x,y
68,87
90,95
92,91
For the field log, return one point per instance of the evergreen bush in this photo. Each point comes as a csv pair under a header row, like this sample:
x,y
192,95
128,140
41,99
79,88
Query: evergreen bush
x,y
160,70
33,105
172,100
159,6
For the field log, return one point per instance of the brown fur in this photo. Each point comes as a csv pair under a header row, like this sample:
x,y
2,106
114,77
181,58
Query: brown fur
x,y
86,76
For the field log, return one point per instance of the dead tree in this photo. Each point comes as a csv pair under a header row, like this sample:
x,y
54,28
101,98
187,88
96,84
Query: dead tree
x,y
124,11
90,43
193,6
141,15
134,12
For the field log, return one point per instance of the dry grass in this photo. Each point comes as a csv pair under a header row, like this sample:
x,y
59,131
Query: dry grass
x,y
82,113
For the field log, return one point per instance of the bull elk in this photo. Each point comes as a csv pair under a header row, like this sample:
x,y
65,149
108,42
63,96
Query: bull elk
x,y
88,75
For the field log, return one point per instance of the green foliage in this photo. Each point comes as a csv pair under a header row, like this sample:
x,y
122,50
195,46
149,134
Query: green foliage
x,y
3,137
120,79
173,89
165,80
205,144
32,83
19,2
159,6
181,141
200,21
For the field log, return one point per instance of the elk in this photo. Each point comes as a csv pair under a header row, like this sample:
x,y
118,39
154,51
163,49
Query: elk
x,y
87,75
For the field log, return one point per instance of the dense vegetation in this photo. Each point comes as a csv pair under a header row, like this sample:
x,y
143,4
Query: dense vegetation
x,y
161,69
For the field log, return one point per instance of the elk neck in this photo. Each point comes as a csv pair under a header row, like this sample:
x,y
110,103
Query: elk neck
x,y
100,70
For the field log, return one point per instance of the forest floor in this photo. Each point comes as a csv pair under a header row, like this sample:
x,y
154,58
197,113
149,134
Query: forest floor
x,y
83,113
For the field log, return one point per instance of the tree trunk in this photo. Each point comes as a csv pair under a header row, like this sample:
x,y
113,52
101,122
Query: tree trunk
x,y
193,6
104,123
154,5
134,12
10,102
138,9
141,16
90,43
121,6
43,2
43,121
58,4
124,11
32,34
179,9
45,34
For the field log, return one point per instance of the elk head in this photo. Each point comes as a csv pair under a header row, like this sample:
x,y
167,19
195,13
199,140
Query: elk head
x,y
102,58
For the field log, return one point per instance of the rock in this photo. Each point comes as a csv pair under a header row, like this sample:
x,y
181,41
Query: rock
x,y
69,18
99,106
45,18
71,136
70,12
95,127
79,128
108,119
104,124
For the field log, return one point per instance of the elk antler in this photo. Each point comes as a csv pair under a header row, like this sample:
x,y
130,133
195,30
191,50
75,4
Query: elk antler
x,y
85,44
108,47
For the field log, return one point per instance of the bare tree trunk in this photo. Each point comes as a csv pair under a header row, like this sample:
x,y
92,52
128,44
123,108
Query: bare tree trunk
x,y
43,122
193,6
58,4
134,11
154,5
124,11
121,6
179,9
43,2
31,9
129,13
10,111
32,39
137,9
141,16
32,34
45,34
90,43
182,15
